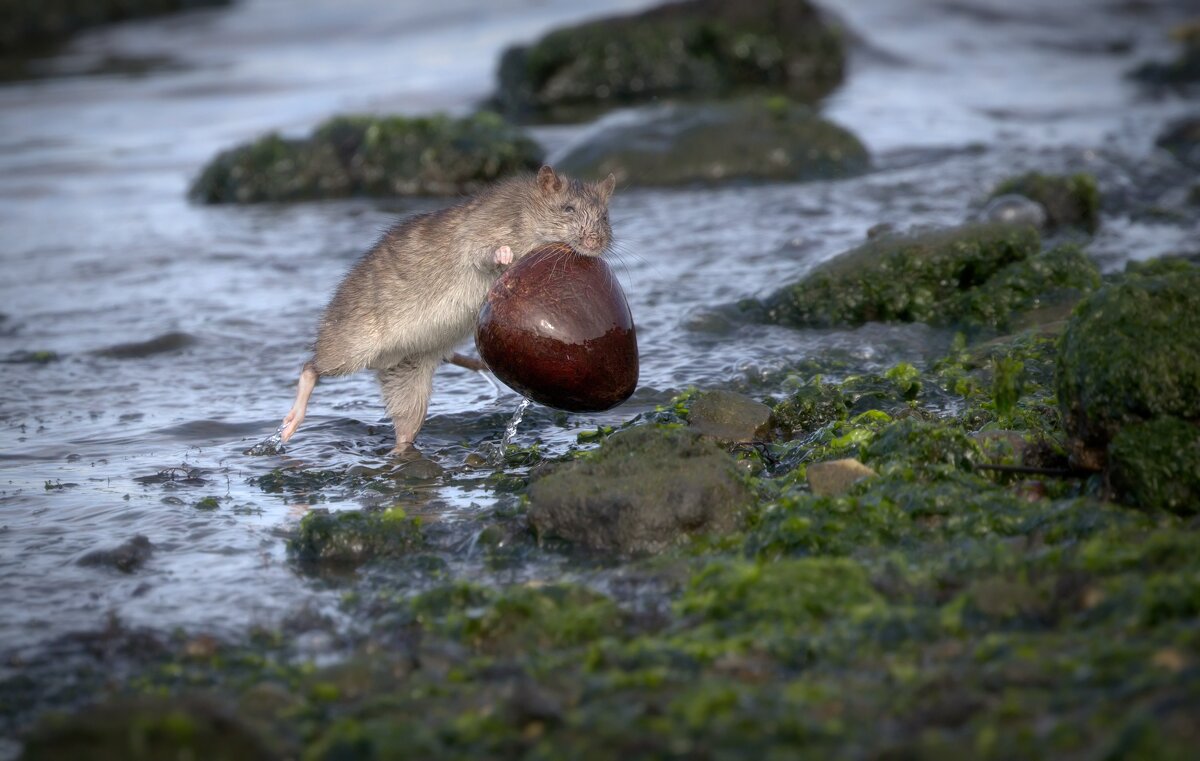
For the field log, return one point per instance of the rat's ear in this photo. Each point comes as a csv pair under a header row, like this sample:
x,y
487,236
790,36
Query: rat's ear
x,y
548,181
607,185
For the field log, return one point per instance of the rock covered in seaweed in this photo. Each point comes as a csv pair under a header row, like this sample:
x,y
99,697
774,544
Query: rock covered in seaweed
x,y
703,143
1131,353
31,24
371,156
352,537
643,491
898,278
697,48
1069,201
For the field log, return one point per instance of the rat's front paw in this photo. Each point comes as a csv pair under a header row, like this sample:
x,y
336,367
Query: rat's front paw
x,y
503,255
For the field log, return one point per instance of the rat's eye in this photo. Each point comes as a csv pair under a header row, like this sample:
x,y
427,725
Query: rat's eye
x,y
568,209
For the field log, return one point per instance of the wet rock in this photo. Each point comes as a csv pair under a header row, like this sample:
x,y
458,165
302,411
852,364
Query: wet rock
x,y
28,26
1182,139
644,490
164,344
729,417
1131,353
699,48
898,278
1059,276
835,477
808,408
915,449
127,557
1000,446
371,156
1156,465
1184,70
148,729
1072,201
1013,209
352,537
751,139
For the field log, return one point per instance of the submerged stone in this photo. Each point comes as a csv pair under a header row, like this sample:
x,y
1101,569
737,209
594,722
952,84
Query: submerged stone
x,y
643,491
1131,353
1156,465
898,278
752,139
371,156
126,557
728,416
352,537
696,48
1069,201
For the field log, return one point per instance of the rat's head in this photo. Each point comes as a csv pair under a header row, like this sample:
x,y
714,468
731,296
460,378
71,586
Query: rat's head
x,y
572,211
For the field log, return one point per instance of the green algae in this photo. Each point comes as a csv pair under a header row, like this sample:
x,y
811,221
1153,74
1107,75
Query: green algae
x,y
372,156
1069,201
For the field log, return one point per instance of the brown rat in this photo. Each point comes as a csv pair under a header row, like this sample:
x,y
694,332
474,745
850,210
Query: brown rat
x,y
411,299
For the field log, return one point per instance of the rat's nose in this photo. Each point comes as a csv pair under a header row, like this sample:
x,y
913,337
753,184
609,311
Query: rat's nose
x,y
591,240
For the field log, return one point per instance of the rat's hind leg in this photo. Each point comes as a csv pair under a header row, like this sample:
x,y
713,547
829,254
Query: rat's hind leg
x,y
308,379
407,387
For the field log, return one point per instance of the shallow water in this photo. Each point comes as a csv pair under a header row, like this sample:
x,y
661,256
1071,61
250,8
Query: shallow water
x,y
100,249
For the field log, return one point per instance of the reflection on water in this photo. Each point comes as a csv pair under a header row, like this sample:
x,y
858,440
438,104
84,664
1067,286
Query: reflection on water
x,y
152,342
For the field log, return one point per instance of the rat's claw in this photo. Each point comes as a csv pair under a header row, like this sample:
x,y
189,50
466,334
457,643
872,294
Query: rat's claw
x,y
503,255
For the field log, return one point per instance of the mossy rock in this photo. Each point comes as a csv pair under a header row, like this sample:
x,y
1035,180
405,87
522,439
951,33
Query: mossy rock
x,y
1156,465
913,447
752,139
148,730
1131,353
352,537
700,48
28,26
808,408
1069,201
898,278
371,156
1059,276
644,490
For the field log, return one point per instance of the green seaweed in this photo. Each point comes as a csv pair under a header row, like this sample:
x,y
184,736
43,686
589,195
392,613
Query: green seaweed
x,y
372,156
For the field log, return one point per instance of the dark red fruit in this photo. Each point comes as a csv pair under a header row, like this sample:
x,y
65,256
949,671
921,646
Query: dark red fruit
x,y
556,329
